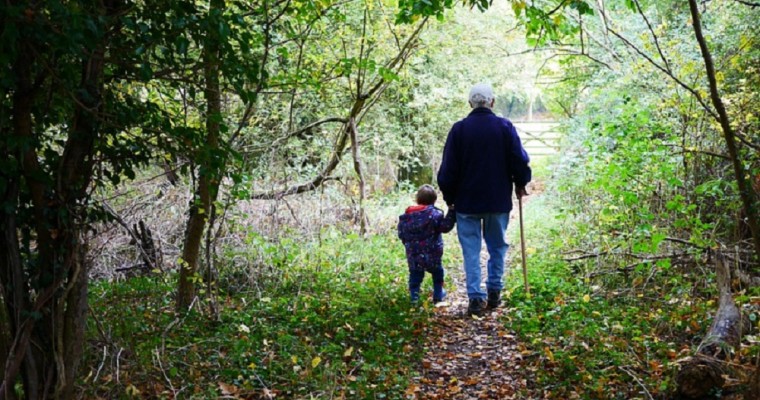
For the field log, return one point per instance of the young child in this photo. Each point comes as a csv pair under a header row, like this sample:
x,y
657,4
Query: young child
x,y
420,228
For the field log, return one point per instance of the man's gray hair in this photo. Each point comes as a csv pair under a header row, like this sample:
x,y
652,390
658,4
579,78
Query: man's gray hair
x,y
481,95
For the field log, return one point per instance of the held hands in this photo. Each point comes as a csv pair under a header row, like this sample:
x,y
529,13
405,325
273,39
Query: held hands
x,y
520,192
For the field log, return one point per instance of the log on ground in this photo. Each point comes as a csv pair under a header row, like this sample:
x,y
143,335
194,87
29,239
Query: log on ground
x,y
704,374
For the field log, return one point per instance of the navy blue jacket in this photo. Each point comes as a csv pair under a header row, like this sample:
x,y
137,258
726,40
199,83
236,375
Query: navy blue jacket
x,y
420,228
482,159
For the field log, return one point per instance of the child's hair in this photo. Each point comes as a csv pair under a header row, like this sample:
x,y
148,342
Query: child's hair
x,y
426,195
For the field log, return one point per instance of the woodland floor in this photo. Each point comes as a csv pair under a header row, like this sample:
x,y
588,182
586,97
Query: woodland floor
x,y
470,357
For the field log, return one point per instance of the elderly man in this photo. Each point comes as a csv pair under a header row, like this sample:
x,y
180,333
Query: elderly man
x,y
482,159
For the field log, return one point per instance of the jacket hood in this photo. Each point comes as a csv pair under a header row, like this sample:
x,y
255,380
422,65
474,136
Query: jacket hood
x,y
416,219
416,208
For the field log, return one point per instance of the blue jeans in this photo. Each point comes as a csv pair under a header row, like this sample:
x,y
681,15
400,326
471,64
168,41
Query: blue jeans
x,y
472,229
415,281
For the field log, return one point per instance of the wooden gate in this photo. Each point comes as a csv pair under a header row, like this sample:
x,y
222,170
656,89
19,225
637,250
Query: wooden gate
x,y
540,138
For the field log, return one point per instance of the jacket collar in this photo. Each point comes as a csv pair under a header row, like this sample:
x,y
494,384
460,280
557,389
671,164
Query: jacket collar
x,y
481,111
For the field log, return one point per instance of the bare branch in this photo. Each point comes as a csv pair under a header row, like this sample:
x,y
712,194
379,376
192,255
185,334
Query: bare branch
x,y
592,38
585,256
654,35
748,3
685,150
362,71
306,128
744,139
580,26
685,242
559,6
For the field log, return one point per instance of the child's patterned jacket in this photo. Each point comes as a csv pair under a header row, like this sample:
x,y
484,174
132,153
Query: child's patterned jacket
x,y
420,228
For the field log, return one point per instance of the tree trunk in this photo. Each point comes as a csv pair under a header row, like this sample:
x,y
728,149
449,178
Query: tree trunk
x,y
200,206
360,175
5,341
704,373
48,329
15,289
72,317
14,280
211,166
745,189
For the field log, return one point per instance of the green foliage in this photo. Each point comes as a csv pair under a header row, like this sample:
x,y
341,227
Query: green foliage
x,y
644,193
584,339
544,22
411,10
644,163
324,318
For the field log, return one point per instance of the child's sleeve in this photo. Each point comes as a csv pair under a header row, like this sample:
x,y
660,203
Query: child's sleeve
x,y
446,224
401,230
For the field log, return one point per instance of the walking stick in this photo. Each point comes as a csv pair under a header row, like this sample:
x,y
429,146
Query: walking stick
x,y
522,247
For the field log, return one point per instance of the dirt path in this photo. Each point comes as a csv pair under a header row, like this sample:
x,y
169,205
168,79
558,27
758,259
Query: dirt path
x,y
469,357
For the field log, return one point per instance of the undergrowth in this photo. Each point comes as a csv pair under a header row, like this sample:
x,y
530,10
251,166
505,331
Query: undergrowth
x,y
611,335
327,319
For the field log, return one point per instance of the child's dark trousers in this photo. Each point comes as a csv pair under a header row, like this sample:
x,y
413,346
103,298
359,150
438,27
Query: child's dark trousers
x,y
415,281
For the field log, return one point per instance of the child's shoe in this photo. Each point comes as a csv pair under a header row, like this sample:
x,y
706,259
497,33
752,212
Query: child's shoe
x,y
439,293
440,296
414,296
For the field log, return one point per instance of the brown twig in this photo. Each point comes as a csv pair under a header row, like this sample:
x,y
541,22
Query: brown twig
x,y
146,258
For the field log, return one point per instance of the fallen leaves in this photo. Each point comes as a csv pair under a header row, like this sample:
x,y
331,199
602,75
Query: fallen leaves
x,y
549,354
468,358
473,380
228,390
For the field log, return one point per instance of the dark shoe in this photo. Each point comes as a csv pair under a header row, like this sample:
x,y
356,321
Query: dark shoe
x,y
494,298
437,299
414,296
476,307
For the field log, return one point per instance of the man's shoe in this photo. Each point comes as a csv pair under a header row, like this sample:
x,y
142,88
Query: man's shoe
x,y
494,298
476,307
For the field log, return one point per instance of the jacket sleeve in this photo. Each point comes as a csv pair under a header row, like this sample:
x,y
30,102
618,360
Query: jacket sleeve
x,y
520,168
446,224
401,230
447,173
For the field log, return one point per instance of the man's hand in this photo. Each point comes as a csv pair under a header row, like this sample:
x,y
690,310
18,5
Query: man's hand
x,y
520,192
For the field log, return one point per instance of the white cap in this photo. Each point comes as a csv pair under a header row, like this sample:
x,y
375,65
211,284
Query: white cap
x,y
481,93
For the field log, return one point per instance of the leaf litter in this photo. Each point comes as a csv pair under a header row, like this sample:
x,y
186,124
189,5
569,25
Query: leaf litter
x,y
468,357
471,358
